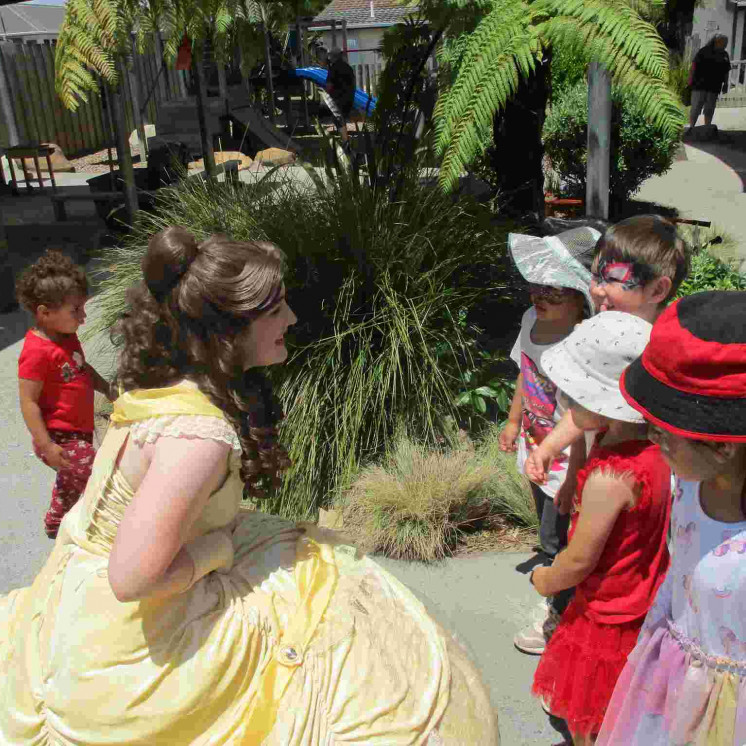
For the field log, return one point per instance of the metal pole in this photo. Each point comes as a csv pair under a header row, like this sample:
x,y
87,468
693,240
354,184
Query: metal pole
x,y
599,142
334,33
344,36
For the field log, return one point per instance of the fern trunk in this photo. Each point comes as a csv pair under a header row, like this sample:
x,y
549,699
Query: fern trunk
x,y
124,155
208,152
518,156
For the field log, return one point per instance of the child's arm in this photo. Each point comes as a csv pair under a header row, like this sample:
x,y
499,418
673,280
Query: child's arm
x,y
50,453
566,493
513,426
100,384
564,433
604,498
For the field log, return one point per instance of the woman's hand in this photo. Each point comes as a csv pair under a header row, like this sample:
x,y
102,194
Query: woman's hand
x,y
148,556
537,465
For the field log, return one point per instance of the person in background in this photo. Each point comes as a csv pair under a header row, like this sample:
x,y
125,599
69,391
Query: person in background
x,y
340,86
708,77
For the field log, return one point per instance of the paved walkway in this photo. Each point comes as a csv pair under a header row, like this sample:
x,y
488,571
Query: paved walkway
x,y
709,183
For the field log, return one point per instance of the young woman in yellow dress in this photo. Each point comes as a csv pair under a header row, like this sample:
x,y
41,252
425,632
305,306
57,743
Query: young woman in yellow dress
x,y
167,614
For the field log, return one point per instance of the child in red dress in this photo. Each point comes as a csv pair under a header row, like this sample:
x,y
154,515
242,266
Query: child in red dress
x,y
617,555
56,384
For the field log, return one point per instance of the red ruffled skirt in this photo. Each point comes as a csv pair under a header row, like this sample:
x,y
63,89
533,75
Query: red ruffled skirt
x,y
580,667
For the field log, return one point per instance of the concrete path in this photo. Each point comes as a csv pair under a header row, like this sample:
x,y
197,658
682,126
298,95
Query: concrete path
x,y
709,183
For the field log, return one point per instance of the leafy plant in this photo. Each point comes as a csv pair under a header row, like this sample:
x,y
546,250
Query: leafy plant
x,y
639,148
508,41
708,271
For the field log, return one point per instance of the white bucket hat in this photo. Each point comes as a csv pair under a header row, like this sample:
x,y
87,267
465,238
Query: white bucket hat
x,y
561,261
587,364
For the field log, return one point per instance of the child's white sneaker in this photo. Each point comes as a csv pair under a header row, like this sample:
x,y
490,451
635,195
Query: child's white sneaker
x,y
534,638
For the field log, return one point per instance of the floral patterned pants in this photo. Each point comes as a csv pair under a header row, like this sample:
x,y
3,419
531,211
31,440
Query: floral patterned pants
x,y
70,483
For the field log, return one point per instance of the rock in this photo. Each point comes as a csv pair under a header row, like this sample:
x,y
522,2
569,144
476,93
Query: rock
x,y
702,134
221,157
275,157
60,164
135,139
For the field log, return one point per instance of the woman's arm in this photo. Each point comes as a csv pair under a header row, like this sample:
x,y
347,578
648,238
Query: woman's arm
x,y
604,498
149,557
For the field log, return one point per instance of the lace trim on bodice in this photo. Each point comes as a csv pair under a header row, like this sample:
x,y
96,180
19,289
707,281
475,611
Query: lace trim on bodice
x,y
184,426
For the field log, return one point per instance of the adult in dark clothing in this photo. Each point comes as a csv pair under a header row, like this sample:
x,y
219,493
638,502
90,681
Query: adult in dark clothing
x,y
709,75
340,86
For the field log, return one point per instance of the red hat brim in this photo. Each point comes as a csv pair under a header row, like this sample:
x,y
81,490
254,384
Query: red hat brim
x,y
693,416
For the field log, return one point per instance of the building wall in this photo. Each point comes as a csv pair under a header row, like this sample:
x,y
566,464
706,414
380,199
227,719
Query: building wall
x,y
718,17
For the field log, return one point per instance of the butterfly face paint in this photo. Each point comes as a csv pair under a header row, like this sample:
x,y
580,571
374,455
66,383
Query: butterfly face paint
x,y
623,274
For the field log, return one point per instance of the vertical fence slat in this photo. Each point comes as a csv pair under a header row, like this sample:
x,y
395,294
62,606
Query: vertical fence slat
x,y
45,95
25,131
30,85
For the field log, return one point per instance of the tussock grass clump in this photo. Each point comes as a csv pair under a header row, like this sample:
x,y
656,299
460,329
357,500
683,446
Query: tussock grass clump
x,y
418,502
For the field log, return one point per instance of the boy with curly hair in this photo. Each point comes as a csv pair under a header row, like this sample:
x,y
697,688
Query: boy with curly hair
x,y
56,384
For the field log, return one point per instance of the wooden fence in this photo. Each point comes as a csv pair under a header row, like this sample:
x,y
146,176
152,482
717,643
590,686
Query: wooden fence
x,y
31,111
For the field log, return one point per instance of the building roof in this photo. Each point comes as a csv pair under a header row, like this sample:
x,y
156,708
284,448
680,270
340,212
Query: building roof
x,y
365,12
23,19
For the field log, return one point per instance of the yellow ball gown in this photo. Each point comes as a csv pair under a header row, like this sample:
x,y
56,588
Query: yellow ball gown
x,y
301,642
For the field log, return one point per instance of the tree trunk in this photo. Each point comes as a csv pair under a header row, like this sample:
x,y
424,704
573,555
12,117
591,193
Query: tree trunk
x,y
599,143
124,155
518,154
208,153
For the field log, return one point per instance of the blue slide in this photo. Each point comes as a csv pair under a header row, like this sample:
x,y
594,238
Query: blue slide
x,y
317,75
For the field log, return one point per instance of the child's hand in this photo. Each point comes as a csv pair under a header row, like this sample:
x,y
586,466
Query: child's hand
x,y
508,437
537,465
53,456
564,497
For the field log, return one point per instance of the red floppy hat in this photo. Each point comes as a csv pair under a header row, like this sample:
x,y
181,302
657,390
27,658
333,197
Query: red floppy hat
x,y
691,378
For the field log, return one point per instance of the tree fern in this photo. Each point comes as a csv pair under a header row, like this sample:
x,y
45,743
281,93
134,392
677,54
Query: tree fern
x,y
509,37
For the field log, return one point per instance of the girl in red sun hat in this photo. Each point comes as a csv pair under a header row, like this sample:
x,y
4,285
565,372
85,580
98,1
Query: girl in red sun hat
x,y
685,681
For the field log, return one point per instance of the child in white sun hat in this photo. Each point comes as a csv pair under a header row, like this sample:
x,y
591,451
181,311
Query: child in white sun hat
x,y
558,272
617,555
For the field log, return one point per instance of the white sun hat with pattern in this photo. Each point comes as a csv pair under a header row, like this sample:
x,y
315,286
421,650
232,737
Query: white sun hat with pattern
x,y
587,364
561,261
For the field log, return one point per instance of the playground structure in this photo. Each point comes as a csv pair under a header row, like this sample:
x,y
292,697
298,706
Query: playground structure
x,y
318,75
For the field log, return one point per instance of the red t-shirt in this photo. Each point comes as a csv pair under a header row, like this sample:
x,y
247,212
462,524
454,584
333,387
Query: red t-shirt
x,y
66,399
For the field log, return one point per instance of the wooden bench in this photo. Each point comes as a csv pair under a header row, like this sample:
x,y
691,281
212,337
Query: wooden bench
x,y
106,198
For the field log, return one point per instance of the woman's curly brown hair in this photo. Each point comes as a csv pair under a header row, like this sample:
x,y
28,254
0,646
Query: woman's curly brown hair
x,y
49,281
182,322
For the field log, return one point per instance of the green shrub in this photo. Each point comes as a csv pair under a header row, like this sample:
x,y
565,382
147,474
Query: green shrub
x,y
712,267
376,275
419,501
639,149
679,67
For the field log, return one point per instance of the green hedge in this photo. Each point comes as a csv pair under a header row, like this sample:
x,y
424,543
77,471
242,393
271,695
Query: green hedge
x,y
639,149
